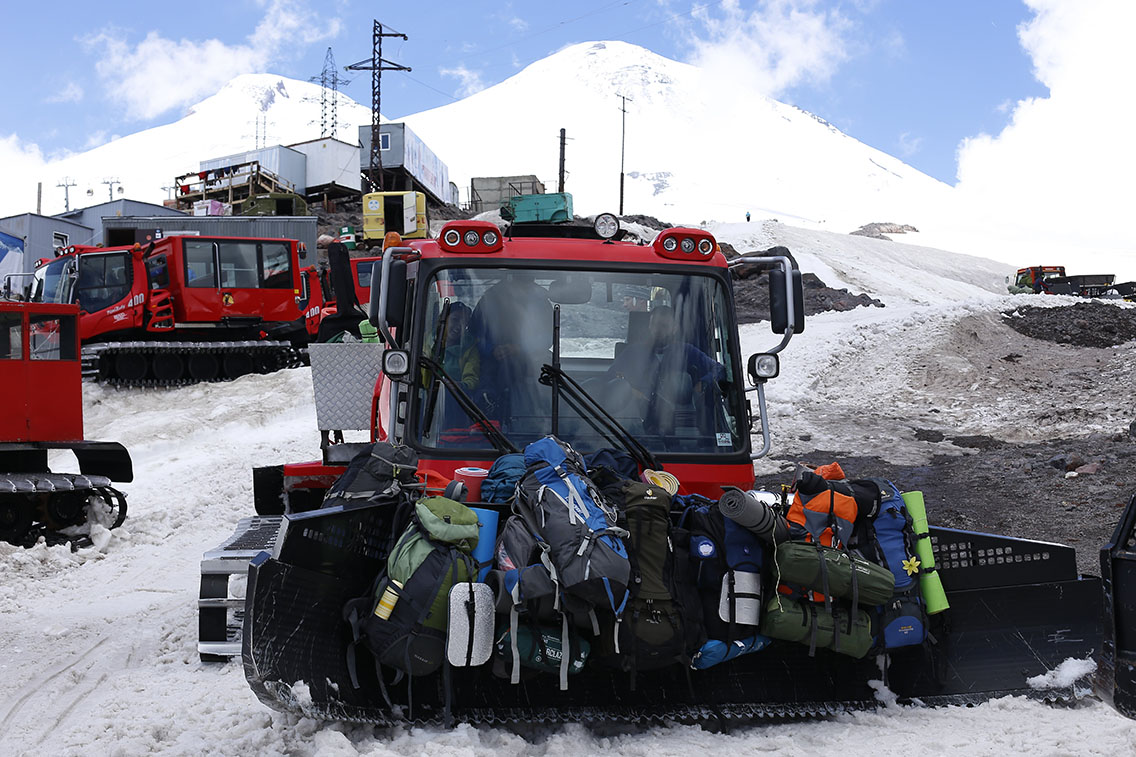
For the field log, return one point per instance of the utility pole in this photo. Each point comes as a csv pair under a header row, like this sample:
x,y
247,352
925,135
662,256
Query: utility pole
x,y
169,192
66,184
563,139
39,198
376,65
110,186
622,145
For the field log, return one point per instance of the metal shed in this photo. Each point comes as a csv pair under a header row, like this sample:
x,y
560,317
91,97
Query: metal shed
x,y
42,235
408,164
93,215
287,164
127,230
333,167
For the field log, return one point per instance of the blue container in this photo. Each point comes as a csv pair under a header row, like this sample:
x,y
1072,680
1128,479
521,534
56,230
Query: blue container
x,y
486,539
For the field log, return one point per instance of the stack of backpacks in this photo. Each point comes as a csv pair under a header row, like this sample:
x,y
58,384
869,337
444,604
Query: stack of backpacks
x,y
595,569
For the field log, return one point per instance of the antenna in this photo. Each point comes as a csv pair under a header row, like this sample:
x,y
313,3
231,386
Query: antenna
x,y
622,145
376,65
67,183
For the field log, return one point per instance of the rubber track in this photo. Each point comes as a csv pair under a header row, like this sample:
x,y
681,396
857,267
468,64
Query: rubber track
x,y
274,356
38,529
724,716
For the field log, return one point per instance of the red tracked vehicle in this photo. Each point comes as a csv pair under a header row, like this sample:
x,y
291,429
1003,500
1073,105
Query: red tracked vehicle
x,y
41,385
1018,607
186,308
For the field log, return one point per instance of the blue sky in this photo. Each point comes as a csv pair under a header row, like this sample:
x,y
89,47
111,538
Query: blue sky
x,y
910,77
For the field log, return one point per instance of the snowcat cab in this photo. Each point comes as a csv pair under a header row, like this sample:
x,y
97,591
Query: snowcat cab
x,y
43,411
592,306
185,308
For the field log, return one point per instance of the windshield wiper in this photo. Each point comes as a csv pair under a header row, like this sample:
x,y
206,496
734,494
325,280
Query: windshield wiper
x,y
469,407
596,415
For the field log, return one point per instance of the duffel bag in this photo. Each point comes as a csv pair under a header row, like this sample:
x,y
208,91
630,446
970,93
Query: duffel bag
x,y
810,623
834,572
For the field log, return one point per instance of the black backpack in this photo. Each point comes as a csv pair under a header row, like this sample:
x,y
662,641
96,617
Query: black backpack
x,y
378,473
662,623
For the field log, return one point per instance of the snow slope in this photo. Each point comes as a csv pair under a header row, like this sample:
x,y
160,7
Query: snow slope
x,y
98,649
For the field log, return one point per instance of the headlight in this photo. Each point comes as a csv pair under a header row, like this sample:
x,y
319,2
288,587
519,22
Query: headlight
x,y
706,247
763,366
670,244
396,363
490,238
606,225
687,245
472,238
453,236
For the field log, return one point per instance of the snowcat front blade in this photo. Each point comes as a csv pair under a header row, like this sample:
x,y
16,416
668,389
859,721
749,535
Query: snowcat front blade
x,y
1116,670
1000,631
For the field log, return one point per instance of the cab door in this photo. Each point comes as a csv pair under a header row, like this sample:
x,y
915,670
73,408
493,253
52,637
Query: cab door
x,y
105,292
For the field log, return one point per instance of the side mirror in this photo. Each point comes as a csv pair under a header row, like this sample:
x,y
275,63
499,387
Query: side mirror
x,y
396,293
763,366
779,316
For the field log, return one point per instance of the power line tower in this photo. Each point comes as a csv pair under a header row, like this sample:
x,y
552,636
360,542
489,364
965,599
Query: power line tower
x,y
329,81
67,183
376,64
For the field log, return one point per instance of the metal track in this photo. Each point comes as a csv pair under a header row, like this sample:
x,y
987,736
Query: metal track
x,y
39,505
101,362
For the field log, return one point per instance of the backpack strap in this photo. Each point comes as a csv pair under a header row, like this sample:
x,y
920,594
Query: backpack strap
x,y
565,651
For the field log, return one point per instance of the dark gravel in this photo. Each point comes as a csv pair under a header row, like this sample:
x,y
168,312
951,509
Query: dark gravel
x,y
1087,324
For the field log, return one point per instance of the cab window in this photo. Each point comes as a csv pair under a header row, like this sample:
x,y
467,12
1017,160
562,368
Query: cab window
x,y
158,272
11,336
104,279
51,337
275,265
238,262
199,269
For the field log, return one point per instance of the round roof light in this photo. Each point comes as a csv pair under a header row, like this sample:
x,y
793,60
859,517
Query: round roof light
x,y
490,238
452,237
606,225
706,247
670,244
687,245
472,238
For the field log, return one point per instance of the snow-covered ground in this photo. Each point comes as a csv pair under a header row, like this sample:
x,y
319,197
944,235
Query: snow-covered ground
x,y
98,649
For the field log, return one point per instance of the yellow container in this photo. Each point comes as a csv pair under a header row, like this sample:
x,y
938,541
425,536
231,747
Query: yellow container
x,y
929,582
388,600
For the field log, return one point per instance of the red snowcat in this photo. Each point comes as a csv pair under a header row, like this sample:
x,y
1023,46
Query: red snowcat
x,y
584,299
41,385
186,308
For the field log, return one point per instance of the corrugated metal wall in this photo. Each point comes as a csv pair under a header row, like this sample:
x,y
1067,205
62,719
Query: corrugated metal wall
x,y
288,164
302,228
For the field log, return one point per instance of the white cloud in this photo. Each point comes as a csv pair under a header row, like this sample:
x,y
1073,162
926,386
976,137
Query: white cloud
x,y
1062,169
71,93
24,165
909,145
471,82
776,45
159,74
518,24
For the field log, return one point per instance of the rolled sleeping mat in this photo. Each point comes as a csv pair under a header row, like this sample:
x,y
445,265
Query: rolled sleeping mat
x,y
929,582
805,565
486,539
754,511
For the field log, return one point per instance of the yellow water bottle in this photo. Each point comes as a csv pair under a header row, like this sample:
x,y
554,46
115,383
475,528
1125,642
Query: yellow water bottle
x,y
387,601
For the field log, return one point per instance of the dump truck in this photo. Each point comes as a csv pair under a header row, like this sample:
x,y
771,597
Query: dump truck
x,y
185,309
1017,608
41,383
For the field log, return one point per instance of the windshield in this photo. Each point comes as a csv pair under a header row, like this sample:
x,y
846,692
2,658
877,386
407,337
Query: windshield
x,y
653,349
54,282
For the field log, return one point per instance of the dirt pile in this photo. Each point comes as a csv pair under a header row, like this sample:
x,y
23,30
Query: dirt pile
x,y
751,291
1084,324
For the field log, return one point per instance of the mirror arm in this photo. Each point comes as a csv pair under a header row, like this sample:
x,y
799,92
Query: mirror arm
x,y
766,442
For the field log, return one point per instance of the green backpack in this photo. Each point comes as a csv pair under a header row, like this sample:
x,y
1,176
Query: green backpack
x,y
402,621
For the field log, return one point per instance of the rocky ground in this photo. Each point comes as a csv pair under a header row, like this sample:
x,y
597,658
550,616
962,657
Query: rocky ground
x,y
1061,472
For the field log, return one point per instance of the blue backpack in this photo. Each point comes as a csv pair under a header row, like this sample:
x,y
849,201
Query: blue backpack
x,y
501,481
904,617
